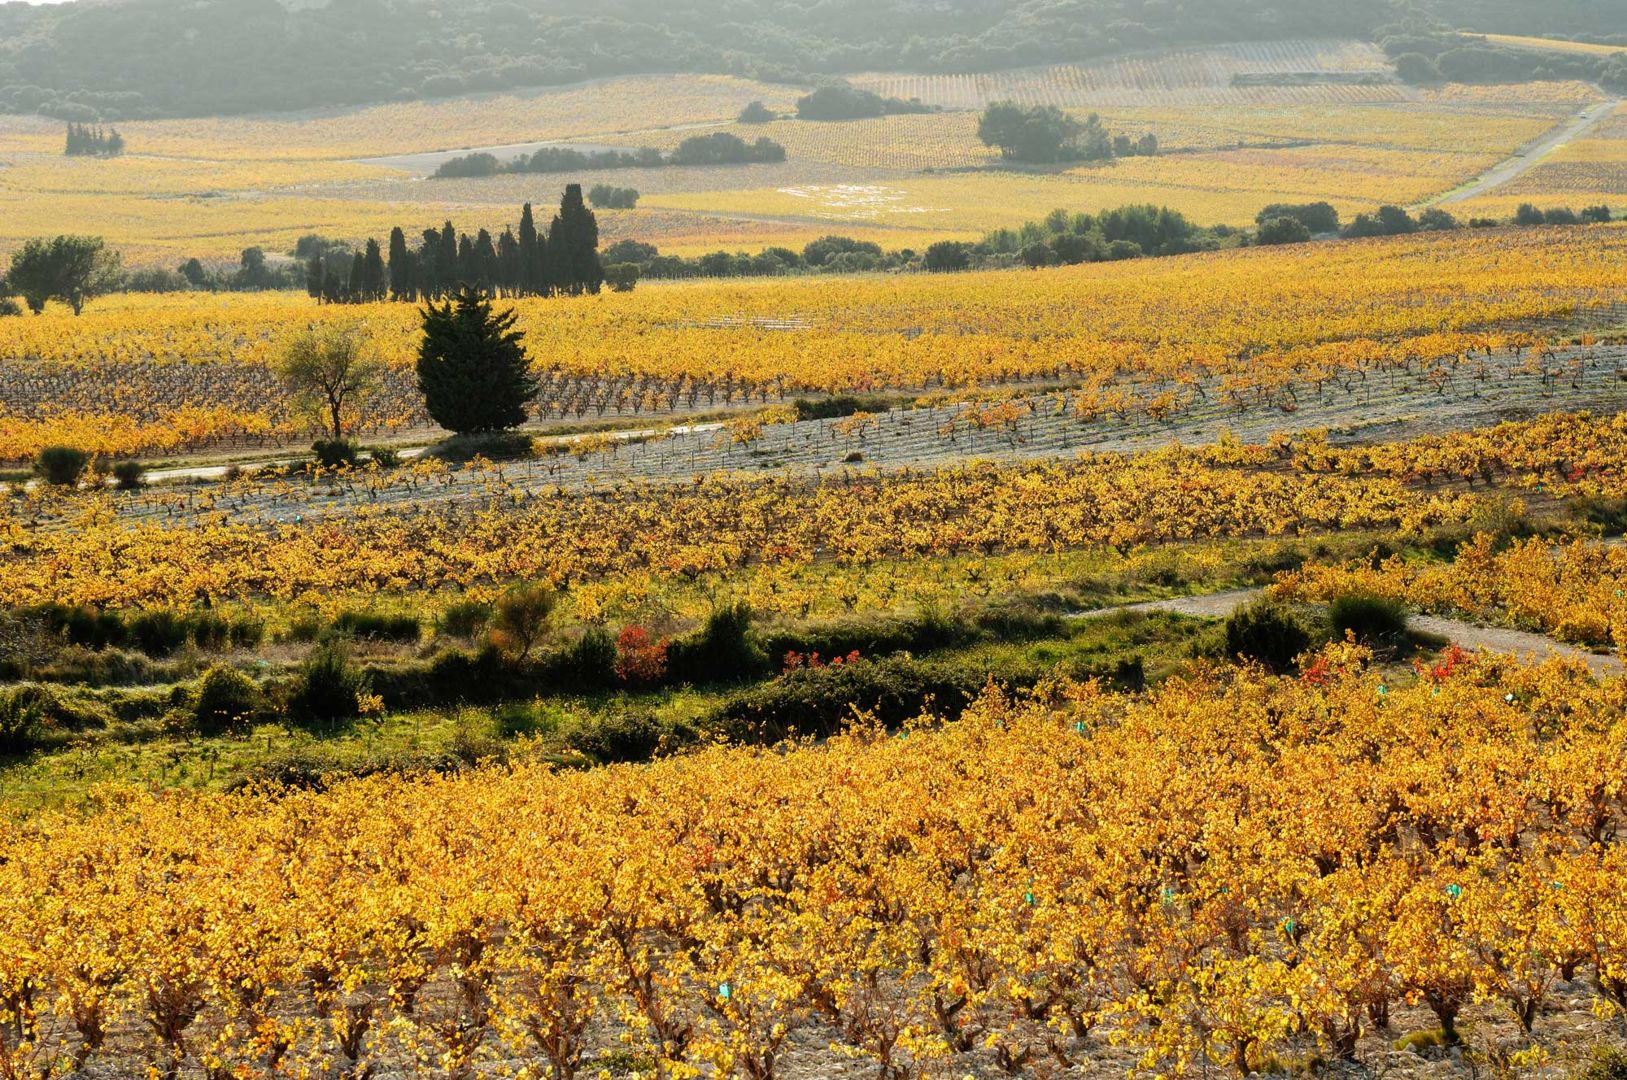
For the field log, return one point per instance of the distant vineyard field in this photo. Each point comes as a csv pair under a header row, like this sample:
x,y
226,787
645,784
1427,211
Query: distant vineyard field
x,y
1585,48
1349,71
1591,171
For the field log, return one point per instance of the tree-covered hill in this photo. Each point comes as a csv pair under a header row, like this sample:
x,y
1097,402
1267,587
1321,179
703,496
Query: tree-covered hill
x,y
121,59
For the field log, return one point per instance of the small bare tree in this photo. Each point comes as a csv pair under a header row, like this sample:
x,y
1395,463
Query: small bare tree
x,y
327,371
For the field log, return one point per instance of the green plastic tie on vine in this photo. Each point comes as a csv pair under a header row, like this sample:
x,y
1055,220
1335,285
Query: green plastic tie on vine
x,y
1080,726
1028,897
724,991
1382,690
1454,891
1168,895
1288,927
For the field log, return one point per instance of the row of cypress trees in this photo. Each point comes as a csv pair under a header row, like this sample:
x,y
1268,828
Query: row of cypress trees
x,y
561,260
87,141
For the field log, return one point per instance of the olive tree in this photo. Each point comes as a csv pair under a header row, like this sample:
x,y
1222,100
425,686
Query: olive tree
x,y
329,372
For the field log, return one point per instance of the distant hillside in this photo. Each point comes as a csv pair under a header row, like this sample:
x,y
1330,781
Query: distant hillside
x,y
1600,19
120,59
123,59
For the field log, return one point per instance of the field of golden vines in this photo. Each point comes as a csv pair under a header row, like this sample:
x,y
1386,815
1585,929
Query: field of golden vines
x,y
1588,171
143,374
384,532
1232,871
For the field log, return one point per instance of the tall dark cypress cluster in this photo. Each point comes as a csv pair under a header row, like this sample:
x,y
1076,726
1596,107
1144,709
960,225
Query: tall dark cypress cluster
x,y
87,141
522,261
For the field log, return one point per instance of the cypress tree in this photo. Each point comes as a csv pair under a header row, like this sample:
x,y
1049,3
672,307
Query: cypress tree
x,y
400,283
484,262
508,264
429,274
446,260
472,366
373,272
574,236
530,280
314,276
467,270
356,288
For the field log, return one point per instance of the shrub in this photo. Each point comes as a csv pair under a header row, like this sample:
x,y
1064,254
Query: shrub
x,y
61,466
127,475
208,630
158,633
228,700
590,662
1528,215
1434,219
1375,620
465,619
820,701
384,457
756,113
1267,633
721,652
948,256
1609,1063
641,659
520,619
246,633
1318,217
622,277
621,737
328,689
1283,230
332,453
25,712
369,624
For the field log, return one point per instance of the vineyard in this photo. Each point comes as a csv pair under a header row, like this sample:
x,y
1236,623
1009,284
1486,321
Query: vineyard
x,y
1263,327
1242,137
1343,72
1588,171
1236,870
1553,44
1056,672
435,528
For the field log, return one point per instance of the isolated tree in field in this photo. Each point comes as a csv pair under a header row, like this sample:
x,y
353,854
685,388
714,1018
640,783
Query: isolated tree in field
x,y
472,366
1042,135
329,374
72,269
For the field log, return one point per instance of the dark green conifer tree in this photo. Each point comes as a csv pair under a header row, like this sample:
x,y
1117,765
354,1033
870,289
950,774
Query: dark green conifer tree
x,y
573,240
531,281
400,271
472,366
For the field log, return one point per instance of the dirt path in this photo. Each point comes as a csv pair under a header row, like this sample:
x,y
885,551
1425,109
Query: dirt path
x,y
1466,634
1531,155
